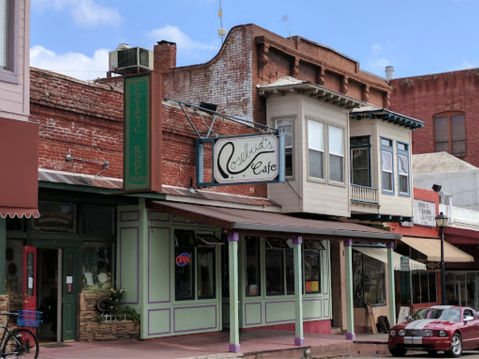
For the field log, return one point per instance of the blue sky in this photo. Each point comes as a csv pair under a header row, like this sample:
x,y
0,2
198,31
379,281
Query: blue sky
x,y
417,37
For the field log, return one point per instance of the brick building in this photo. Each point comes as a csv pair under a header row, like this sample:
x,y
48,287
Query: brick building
x,y
448,105
177,249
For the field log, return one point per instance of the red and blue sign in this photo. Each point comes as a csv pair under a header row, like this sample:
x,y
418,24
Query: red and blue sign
x,y
182,259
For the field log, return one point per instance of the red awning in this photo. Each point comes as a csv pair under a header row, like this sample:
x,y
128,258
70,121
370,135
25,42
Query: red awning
x,y
19,212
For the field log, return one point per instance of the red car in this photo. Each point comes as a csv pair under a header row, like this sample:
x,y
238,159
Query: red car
x,y
447,328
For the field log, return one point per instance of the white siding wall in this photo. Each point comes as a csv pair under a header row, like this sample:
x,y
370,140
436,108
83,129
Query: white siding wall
x,y
15,98
301,194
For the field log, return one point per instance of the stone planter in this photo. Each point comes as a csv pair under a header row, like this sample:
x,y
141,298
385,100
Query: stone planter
x,y
89,330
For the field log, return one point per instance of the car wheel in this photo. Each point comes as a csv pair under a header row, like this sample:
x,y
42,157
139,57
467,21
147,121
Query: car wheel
x,y
456,347
432,353
398,352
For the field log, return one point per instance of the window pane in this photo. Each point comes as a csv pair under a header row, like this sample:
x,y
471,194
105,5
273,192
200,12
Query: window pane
x,y
288,162
374,281
14,272
432,288
403,184
458,128
358,288
441,131
386,142
3,33
274,272
184,238
336,141
97,266
252,267
311,272
387,179
315,135
403,165
360,166
442,146
336,168
30,274
458,147
315,164
287,127
98,220
387,161
184,275
206,273
290,272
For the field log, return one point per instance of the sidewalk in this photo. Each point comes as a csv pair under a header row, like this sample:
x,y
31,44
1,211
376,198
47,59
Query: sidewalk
x,y
254,344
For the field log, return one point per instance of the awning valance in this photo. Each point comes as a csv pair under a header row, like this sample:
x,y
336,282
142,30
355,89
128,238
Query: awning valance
x,y
431,247
273,224
19,212
381,255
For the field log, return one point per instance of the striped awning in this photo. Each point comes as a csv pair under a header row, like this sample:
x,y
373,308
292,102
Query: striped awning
x,y
380,254
431,248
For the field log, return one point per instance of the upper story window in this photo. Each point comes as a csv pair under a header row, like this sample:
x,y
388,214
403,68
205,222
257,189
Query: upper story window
x,y
9,40
403,168
287,127
387,168
360,161
316,149
336,154
450,133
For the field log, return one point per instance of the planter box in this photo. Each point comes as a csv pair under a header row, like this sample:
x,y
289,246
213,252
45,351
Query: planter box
x,y
89,330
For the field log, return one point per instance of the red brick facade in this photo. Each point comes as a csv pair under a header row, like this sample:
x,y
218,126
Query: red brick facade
x,y
252,56
423,97
86,121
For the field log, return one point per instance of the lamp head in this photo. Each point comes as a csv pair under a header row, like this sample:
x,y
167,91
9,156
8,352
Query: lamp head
x,y
441,220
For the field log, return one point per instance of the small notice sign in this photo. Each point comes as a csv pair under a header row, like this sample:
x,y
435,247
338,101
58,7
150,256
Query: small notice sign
x,y
403,314
405,264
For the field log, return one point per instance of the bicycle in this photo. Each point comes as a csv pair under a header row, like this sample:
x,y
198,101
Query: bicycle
x,y
20,342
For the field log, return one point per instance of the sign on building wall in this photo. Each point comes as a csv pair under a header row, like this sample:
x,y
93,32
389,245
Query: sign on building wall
x,y
246,159
142,134
424,213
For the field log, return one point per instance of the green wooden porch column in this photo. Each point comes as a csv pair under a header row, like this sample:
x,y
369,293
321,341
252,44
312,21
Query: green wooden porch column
x,y
3,250
391,286
298,291
233,283
348,253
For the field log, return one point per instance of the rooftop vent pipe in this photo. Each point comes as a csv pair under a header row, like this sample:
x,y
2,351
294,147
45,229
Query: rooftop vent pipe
x,y
389,73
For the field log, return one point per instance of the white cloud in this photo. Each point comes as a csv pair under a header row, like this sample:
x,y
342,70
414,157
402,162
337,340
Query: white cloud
x,y
466,64
84,12
186,46
71,64
377,63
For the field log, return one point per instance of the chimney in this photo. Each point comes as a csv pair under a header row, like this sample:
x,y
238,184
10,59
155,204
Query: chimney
x,y
164,56
389,73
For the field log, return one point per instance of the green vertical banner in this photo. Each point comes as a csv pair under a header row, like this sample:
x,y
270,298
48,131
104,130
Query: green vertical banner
x,y
137,169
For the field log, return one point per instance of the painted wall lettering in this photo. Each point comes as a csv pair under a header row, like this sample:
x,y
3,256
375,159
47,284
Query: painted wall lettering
x,y
246,159
137,133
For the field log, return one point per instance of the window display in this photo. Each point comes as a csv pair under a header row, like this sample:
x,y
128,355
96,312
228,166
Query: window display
x,y
97,267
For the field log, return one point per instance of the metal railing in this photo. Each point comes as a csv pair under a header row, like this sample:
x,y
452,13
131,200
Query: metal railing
x,y
364,194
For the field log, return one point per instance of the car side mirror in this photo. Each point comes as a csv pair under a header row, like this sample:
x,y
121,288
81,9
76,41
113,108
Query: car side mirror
x,y
408,319
468,318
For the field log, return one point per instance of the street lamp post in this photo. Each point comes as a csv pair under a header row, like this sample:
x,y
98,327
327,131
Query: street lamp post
x,y
441,222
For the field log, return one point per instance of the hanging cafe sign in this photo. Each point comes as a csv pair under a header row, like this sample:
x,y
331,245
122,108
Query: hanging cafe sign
x,y
246,159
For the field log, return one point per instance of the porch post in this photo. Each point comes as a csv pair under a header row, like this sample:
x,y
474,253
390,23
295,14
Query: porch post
x,y
298,291
233,283
3,250
348,253
391,286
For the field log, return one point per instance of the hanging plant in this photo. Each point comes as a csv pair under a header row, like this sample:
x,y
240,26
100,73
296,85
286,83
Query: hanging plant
x,y
90,257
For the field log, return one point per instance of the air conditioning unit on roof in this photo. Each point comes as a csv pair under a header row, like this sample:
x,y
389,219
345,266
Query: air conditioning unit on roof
x,y
125,60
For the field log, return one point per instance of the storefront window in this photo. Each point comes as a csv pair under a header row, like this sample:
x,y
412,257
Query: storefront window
x,y
369,280
97,266
424,287
461,288
193,253
312,281
14,273
56,217
274,272
252,267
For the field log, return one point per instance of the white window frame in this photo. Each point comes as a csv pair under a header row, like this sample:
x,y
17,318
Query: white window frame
x,y
332,153
10,72
316,149
283,122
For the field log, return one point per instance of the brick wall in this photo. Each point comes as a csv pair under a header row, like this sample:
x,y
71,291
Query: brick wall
x,y
252,56
423,97
4,307
86,121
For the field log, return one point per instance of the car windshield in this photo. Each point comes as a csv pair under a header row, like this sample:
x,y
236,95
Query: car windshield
x,y
450,314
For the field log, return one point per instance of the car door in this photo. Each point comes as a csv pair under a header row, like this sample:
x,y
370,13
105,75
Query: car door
x,y
470,329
